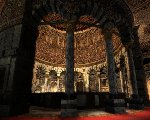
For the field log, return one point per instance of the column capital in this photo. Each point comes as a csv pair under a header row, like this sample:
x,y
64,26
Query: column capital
x,y
108,30
70,26
108,26
107,34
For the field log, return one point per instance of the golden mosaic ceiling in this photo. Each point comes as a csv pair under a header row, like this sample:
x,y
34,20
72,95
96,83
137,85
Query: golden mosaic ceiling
x,y
89,46
51,43
12,13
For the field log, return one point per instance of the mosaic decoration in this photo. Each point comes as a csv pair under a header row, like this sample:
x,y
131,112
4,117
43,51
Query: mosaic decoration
x,y
89,46
11,13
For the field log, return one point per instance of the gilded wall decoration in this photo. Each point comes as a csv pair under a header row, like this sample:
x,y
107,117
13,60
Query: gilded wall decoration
x,y
89,46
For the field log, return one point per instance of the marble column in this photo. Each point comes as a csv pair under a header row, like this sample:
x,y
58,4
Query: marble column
x,y
132,74
69,105
114,104
110,62
135,102
139,67
69,60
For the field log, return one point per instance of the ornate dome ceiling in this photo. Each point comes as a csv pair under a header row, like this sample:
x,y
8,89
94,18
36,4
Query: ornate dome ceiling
x,y
89,46
12,13
89,43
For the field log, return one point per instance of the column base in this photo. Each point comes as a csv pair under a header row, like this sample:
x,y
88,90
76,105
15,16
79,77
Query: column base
x,y
115,106
136,103
69,108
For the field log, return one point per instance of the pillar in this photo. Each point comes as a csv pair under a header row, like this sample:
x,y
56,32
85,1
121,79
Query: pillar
x,y
139,67
69,105
135,102
114,104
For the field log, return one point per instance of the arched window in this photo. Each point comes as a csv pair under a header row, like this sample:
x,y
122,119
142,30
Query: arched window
x,y
93,81
104,84
78,80
52,81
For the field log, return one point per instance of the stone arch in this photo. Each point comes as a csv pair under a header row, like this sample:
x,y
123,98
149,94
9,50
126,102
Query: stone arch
x,y
116,12
119,10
